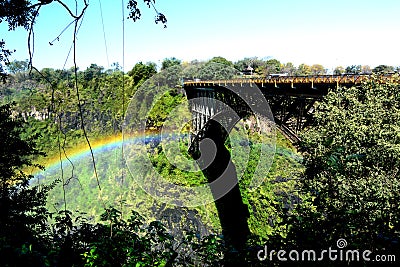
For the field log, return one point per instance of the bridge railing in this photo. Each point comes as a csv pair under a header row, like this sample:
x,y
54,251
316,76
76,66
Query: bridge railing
x,y
317,79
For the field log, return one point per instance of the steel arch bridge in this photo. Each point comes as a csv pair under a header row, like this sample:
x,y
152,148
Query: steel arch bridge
x,y
291,98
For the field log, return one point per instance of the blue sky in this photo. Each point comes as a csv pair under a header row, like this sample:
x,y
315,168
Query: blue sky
x,y
331,33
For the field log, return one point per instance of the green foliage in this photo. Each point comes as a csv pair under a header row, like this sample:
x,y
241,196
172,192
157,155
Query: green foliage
x,y
318,69
4,55
254,62
92,72
162,108
272,66
288,68
43,130
23,220
303,70
383,69
129,243
15,153
22,208
212,70
352,161
141,72
221,60
169,62
353,69
17,13
338,70
270,203
17,66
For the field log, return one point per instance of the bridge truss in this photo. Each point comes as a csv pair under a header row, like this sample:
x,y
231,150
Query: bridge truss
x,y
291,98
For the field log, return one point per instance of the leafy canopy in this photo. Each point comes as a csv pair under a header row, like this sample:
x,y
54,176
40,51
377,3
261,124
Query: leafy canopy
x,y
352,157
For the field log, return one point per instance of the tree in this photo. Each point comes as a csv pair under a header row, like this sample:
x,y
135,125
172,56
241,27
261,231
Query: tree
x,y
92,71
210,71
4,54
303,70
288,68
352,161
221,60
17,13
365,69
141,72
383,69
15,153
318,69
253,62
18,66
169,62
19,69
191,69
339,70
22,208
353,69
272,66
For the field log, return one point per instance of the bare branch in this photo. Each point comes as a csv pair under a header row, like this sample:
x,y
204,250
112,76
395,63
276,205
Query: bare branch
x,y
58,36
31,35
41,3
69,10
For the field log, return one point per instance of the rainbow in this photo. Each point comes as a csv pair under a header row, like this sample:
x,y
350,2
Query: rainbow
x,y
82,150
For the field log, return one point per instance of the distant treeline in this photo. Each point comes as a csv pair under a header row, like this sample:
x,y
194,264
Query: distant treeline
x,y
51,94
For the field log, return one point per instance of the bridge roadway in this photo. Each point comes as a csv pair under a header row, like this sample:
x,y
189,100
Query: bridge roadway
x,y
292,85
291,98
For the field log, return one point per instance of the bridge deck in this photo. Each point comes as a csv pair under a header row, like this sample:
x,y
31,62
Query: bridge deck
x,y
347,79
291,98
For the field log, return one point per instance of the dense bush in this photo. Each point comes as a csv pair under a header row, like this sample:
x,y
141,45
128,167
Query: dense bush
x,y
351,185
